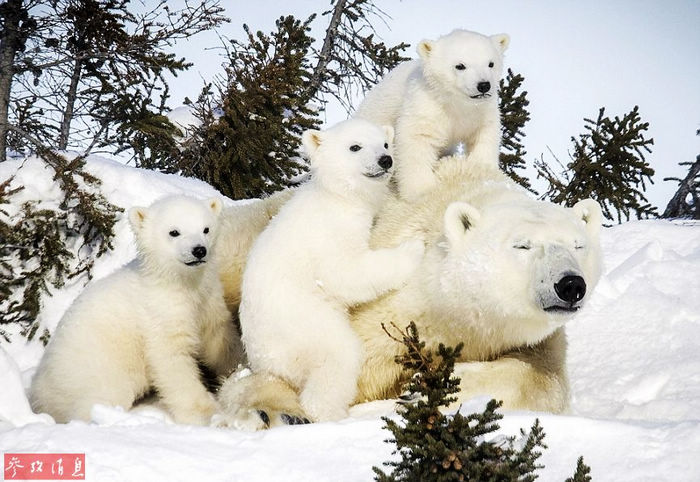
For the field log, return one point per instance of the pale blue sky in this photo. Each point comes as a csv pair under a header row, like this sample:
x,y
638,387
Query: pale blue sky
x,y
575,56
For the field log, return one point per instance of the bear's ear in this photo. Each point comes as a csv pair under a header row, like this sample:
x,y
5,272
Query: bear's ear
x,y
459,218
215,205
425,48
137,215
388,134
588,210
501,40
311,140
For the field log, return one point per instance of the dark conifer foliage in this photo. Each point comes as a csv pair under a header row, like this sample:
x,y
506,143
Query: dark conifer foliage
x,y
276,86
352,58
43,246
514,115
685,203
438,447
608,165
77,73
582,473
251,129
93,72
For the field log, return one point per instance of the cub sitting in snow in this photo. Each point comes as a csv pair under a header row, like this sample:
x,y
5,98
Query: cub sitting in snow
x,y
145,325
448,96
313,261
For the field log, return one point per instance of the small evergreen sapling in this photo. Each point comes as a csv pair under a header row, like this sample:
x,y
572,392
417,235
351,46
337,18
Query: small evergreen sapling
x,y
436,447
607,164
582,472
44,245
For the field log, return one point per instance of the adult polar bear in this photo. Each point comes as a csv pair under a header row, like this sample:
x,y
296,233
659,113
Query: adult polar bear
x,y
502,274
448,96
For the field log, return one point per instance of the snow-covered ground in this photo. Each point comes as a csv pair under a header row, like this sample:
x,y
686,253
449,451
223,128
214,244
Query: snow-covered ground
x,y
634,363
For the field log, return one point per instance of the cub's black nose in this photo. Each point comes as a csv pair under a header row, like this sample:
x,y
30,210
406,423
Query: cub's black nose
x,y
199,252
483,87
385,162
570,288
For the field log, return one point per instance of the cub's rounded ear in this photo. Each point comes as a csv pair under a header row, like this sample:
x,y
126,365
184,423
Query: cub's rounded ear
x,y
501,40
425,48
215,205
459,218
137,215
588,210
388,134
311,140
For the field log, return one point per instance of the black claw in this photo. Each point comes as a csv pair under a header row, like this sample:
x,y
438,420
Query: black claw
x,y
293,420
265,417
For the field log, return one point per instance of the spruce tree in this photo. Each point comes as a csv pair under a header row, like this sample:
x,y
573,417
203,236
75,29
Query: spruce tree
x,y
436,447
43,245
247,145
685,203
582,472
275,86
19,28
608,165
514,115
352,58
97,73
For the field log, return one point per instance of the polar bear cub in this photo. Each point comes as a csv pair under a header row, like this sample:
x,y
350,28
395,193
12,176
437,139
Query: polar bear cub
x,y
448,96
313,261
144,326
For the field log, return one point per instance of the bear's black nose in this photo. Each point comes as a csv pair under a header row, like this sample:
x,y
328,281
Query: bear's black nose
x,y
199,252
570,288
385,162
483,87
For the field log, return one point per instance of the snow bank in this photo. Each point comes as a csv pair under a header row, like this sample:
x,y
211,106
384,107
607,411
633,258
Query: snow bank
x,y
634,366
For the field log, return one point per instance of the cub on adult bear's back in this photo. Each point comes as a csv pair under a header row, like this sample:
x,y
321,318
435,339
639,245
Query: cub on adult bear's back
x,y
313,261
448,96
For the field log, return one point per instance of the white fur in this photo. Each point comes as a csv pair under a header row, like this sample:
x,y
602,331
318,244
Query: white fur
x,y
477,285
313,261
143,326
432,107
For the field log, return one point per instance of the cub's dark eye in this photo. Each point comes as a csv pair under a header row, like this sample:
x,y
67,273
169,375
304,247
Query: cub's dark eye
x,y
460,67
386,145
174,233
491,64
523,245
206,230
579,246
355,148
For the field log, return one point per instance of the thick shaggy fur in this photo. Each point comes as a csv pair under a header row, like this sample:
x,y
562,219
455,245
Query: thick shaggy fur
x,y
313,261
145,326
435,103
487,280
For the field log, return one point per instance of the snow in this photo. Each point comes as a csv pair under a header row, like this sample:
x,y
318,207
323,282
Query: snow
x,y
184,118
634,365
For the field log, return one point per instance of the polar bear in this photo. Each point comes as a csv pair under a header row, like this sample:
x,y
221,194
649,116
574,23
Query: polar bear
x,y
448,96
313,261
144,326
502,273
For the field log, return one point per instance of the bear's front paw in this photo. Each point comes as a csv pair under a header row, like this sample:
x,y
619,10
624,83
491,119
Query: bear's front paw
x,y
249,420
198,412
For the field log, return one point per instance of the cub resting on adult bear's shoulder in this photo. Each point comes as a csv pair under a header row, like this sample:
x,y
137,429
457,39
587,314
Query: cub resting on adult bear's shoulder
x,y
502,274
